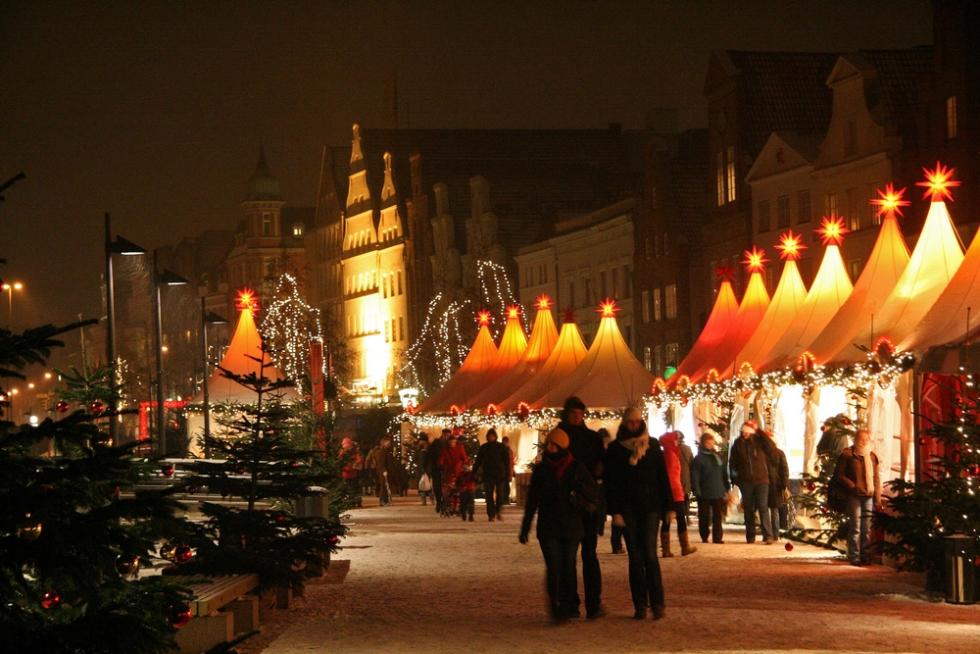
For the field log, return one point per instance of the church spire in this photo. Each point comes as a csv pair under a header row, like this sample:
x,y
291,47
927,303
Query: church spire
x,y
262,185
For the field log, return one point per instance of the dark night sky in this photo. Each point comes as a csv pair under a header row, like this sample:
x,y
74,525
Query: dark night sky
x,y
155,111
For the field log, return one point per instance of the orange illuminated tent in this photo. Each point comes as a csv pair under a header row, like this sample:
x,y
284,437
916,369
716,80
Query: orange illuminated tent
x,y
830,289
888,260
478,361
721,358
567,354
787,300
544,334
935,259
719,321
608,377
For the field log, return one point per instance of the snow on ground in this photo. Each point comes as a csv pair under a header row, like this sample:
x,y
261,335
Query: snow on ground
x,y
425,584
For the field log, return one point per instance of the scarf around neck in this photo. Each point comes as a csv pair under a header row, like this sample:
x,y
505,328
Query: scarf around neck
x,y
868,465
560,465
637,442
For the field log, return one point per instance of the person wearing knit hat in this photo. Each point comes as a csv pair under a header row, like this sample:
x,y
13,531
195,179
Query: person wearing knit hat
x,y
639,496
749,467
586,446
560,492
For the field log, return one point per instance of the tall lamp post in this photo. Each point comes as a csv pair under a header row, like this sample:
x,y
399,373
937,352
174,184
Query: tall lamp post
x,y
207,318
161,279
126,248
10,287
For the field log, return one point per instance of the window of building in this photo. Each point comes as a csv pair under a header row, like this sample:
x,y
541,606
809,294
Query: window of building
x,y
399,282
871,216
387,332
850,138
401,328
648,357
670,301
720,179
854,267
657,304
952,129
297,229
671,352
627,283
730,173
782,211
269,267
762,208
803,200
384,286
615,283
830,205
267,224
666,245
645,306
853,212
658,359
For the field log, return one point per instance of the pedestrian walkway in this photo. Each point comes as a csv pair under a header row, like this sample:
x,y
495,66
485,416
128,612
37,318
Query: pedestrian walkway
x,y
424,584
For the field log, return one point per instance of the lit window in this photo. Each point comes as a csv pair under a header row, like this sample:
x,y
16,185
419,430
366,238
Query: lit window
x,y
648,357
658,359
670,301
951,127
720,179
401,328
730,173
830,205
645,306
399,282
297,229
853,212
672,351
657,304
267,224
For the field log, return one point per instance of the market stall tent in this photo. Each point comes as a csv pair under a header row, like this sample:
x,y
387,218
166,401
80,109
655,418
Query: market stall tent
x,y
568,353
479,360
719,321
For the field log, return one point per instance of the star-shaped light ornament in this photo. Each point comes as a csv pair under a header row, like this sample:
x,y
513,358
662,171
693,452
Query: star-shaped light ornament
x,y
832,230
483,318
513,311
247,300
890,201
725,273
543,302
790,246
755,259
608,308
938,183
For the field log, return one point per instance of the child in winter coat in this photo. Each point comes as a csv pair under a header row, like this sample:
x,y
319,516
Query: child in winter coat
x,y
466,486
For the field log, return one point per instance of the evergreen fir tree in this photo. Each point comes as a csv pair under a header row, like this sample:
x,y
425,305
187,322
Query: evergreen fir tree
x,y
74,528
945,500
257,461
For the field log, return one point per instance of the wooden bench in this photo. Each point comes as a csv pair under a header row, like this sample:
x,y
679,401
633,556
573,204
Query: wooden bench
x,y
222,610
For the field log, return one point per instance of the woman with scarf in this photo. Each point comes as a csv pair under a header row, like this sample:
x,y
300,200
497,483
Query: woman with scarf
x,y
857,474
639,496
560,492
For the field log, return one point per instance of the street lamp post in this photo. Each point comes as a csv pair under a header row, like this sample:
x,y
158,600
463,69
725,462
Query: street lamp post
x,y
207,318
10,287
126,248
160,279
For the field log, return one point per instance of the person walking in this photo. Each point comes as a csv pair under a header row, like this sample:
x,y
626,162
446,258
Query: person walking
x,y
511,471
676,463
749,467
351,463
493,458
381,460
561,489
709,482
451,461
639,496
431,465
857,473
586,447
424,481
615,532
778,487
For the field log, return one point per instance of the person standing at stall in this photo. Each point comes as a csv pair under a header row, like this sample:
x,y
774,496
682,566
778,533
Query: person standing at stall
x,y
857,473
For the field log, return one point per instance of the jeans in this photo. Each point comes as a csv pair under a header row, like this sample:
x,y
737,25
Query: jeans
x,y
467,504
711,514
616,538
755,498
646,584
859,513
779,517
560,579
383,490
680,514
591,573
496,494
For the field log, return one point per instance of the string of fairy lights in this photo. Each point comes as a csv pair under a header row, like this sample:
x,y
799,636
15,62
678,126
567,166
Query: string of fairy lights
x,y
287,329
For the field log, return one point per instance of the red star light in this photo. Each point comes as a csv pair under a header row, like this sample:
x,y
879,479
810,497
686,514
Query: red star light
x,y
832,230
607,308
890,200
513,312
543,302
790,246
725,273
247,300
755,259
938,182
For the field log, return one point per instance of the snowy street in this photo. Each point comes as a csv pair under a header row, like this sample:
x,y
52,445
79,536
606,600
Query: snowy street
x,y
421,583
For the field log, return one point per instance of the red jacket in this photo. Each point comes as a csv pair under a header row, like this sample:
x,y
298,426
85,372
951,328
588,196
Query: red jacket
x,y
672,457
451,460
466,482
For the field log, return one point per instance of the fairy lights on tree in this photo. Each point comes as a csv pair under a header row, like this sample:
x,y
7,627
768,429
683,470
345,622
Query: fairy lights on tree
x,y
288,327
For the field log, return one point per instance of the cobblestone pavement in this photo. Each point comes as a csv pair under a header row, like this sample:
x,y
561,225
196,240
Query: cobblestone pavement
x,y
425,584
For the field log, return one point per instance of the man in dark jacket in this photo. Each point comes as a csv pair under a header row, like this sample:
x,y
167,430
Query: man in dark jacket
x,y
749,463
709,481
778,487
587,448
493,459
431,465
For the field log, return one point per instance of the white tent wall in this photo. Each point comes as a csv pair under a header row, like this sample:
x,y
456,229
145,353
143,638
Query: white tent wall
x,y
885,427
788,429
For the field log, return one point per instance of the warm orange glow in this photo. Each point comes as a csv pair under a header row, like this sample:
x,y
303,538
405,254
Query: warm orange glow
x,y
790,246
483,318
884,347
247,300
607,308
454,410
543,302
755,259
492,409
832,230
568,315
938,182
513,311
523,408
807,361
890,200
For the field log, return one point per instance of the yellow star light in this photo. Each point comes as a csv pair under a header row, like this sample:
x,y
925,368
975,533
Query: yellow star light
x,y
790,246
607,308
755,259
832,230
938,182
890,200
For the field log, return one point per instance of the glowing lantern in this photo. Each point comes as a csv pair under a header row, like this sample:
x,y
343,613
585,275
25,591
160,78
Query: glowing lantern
x,y
938,182
890,200
755,259
832,230
790,246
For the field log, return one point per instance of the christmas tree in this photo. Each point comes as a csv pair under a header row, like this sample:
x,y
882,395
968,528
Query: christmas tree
x,y
74,532
258,461
944,500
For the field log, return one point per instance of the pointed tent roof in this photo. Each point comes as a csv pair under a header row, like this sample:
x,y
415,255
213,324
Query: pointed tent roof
x,y
888,259
935,259
786,303
608,377
753,307
542,342
478,361
246,343
565,357
719,321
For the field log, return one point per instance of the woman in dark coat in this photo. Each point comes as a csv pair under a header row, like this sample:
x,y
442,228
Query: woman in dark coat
x,y
560,491
639,496
778,488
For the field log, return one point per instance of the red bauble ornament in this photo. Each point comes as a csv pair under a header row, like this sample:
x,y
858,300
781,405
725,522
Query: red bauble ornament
x,y
178,616
127,565
168,470
333,540
811,486
50,600
280,518
788,547
61,406
96,407
183,554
